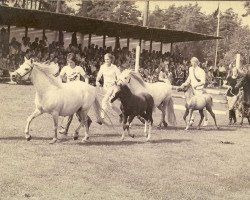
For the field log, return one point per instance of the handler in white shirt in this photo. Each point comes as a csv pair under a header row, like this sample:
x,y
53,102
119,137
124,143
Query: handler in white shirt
x,y
71,72
197,80
110,73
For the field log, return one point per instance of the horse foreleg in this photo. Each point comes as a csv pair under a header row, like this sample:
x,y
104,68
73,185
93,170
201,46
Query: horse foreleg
x,y
190,117
209,109
185,115
125,126
202,117
35,114
55,119
150,122
130,119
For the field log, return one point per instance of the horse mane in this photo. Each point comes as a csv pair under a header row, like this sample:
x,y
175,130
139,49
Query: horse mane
x,y
46,71
137,77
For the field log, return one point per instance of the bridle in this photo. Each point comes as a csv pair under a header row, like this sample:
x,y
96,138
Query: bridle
x,y
31,67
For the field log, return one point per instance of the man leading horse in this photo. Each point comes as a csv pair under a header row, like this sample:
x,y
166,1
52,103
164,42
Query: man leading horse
x,y
197,80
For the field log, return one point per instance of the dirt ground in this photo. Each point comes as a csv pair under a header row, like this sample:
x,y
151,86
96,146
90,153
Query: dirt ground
x,y
176,164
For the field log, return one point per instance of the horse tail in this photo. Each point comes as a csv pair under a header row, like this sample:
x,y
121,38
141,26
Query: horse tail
x,y
98,109
170,112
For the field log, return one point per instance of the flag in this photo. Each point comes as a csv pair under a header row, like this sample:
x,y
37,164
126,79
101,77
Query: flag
x,y
216,12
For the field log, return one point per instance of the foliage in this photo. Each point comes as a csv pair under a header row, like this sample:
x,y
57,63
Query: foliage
x,y
247,7
190,18
120,11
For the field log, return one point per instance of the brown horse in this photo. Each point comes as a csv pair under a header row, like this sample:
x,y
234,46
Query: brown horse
x,y
196,102
244,97
141,104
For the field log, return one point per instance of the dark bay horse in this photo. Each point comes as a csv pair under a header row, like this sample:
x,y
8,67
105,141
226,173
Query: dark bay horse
x,y
244,97
141,104
196,102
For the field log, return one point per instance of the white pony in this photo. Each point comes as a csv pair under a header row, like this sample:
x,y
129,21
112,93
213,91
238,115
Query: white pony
x,y
59,99
160,91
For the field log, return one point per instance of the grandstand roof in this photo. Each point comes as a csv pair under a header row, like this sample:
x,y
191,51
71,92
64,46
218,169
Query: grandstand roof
x,y
57,21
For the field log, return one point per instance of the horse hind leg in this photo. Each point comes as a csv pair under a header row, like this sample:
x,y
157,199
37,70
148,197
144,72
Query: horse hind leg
x,y
55,119
76,134
162,108
150,122
84,122
209,109
35,114
202,117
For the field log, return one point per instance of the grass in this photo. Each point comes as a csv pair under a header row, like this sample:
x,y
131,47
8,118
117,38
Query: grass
x,y
176,164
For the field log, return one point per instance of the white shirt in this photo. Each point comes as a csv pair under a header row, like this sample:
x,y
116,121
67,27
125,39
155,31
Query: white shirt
x,y
72,74
199,74
54,67
109,74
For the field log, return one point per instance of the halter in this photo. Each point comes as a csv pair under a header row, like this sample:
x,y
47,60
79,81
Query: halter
x,y
31,68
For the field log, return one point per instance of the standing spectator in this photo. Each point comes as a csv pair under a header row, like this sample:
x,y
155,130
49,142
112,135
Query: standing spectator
x,y
232,94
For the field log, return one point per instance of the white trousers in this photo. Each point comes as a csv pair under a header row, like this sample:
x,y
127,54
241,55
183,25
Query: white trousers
x,y
106,102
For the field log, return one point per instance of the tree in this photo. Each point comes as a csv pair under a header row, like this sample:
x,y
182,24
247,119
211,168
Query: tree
x,y
247,7
120,11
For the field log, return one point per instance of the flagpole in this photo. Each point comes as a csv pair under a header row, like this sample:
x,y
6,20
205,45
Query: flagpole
x,y
217,34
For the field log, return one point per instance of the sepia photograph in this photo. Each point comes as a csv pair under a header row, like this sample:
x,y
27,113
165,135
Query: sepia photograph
x,y
124,100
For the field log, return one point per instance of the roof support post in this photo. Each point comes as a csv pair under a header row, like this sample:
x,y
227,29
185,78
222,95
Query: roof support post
x,y
140,42
8,32
44,35
150,47
128,43
89,44
40,5
26,31
117,42
104,41
137,59
171,47
82,41
161,45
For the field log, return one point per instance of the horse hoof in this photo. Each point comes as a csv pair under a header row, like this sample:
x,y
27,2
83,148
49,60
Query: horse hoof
x,y
75,138
186,128
159,126
148,139
218,127
85,139
132,135
122,138
99,122
165,124
53,141
29,138
63,132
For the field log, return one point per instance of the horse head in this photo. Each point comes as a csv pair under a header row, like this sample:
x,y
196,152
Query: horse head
x,y
119,91
124,78
23,72
132,79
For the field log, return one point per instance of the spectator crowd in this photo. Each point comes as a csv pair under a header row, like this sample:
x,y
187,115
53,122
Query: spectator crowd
x,y
154,66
